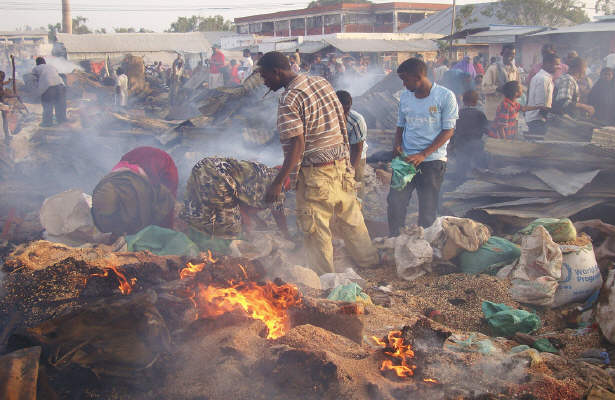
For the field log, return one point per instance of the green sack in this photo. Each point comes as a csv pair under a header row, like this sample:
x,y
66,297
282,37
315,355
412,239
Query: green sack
x,y
491,256
506,321
561,230
162,241
351,293
403,173
206,242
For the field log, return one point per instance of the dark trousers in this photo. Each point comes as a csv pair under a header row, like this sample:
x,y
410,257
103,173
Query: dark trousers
x,y
427,183
536,129
54,98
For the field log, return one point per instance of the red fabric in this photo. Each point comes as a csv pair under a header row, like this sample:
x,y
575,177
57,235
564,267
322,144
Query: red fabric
x,y
96,67
157,164
216,62
506,118
235,75
478,67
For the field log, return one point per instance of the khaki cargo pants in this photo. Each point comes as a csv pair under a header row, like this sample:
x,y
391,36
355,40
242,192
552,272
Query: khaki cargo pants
x,y
321,193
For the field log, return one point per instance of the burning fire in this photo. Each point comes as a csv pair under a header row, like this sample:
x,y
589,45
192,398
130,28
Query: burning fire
x,y
402,353
267,302
125,284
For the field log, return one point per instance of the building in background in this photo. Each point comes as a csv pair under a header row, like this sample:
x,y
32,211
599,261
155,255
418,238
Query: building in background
x,y
338,18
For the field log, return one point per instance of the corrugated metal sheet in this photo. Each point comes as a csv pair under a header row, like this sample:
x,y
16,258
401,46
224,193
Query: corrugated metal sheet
x,y
382,45
495,35
192,42
600,26
441,22
307,47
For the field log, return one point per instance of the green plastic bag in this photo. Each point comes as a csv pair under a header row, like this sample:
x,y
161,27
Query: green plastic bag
x,y
561,230
491,256
351,293
206,242
403,173
162,241
506,321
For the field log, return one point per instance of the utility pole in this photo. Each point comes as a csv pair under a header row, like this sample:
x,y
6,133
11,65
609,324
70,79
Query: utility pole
x,y
67,21
450,40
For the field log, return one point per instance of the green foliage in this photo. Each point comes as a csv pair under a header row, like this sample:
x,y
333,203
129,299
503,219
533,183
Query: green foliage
x,y
539,12
606,7
101,30
79,28
320,3
197,23
53,30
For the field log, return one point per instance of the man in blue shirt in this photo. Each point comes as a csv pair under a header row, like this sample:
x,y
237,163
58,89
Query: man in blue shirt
x,y
426,122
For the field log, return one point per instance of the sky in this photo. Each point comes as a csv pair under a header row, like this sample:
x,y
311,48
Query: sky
x,y
149,14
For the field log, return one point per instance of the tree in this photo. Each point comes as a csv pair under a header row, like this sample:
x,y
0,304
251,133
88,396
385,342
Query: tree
x,y
53,30
538,12
606,7
197,23
101,30
124,30
320,3
79,26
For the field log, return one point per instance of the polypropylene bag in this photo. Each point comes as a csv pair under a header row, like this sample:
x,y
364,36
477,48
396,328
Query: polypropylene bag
x,y
495,253
403,173
580,276
506,321
561,230
67,218
449,236
535,276
413,255
350,293
162,242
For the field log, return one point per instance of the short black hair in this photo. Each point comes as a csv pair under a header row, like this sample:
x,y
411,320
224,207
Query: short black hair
x,y
40,60
119,71
576,63
549,58
507,46
510,89
547,48
470,97
412,66
344,97
272,60
246,51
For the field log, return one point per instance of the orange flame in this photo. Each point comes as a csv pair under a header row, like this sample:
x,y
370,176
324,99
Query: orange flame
x,y
125,284
192,269
268,303
430,380
401,352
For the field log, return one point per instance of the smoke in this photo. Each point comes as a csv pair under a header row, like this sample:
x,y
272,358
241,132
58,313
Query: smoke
x,y
62,65
358,84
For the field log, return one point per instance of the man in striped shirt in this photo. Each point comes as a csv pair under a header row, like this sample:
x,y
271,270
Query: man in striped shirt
x,y
313,134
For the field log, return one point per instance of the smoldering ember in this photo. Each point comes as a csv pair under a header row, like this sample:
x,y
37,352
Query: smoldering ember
x,y
347,201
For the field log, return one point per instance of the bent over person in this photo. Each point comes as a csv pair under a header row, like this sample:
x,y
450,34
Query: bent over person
x,y
139,191
224,194
312,131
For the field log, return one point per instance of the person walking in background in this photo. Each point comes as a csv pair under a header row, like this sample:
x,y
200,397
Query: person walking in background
x,y
121,88
505,124
426,122
567,92
478,67
602,97
52,90
312,130
234,72
246,65
318,68
216,63
439,71
294,65
466,66
541,94
496,76
357,136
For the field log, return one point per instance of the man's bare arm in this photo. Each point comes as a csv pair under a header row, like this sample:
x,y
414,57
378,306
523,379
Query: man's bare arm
x,y
397,143
293,158
355,154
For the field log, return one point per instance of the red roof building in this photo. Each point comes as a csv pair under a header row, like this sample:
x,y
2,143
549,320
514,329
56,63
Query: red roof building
x,y
337,18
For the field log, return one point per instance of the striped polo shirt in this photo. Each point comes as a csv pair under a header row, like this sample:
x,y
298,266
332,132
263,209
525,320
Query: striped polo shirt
x,y
310,107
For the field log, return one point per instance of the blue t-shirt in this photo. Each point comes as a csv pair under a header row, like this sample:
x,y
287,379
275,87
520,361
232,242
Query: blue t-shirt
x,y
424,119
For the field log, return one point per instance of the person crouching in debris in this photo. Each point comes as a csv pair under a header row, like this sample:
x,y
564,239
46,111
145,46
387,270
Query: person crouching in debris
x,y
52,90
224,194
357,136
426,122
312,130
140,191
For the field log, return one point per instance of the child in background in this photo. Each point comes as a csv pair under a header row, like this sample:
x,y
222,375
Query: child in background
x,y
466,146
505,124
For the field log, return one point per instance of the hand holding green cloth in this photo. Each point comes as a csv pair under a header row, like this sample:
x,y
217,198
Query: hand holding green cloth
x,y
506,321
403,173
